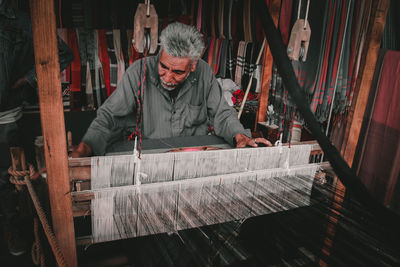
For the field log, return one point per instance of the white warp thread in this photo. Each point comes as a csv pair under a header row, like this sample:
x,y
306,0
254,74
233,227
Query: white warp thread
x,y
190,189
131,211
111,171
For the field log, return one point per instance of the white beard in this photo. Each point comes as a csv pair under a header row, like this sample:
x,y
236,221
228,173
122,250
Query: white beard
x,y
170,86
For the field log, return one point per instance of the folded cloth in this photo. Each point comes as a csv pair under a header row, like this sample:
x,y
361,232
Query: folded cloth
x,y
228,87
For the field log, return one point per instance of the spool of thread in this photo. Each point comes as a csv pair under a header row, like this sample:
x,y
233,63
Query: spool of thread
x,y
296,131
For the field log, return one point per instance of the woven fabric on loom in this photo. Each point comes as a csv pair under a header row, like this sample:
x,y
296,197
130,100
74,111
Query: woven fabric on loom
x,y
132,211
192,189
112,171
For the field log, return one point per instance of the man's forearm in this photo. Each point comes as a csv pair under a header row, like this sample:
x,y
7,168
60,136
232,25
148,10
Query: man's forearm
x,y
82,150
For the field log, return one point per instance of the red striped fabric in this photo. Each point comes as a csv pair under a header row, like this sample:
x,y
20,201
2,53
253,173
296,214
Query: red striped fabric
x,y
76,63
104,59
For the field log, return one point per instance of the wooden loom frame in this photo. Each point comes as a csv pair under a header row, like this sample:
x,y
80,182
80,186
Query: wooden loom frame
x,y
80,172
52,117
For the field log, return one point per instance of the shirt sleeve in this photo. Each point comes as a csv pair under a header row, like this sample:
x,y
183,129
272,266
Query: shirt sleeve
x,y
65,57
111,116
223,117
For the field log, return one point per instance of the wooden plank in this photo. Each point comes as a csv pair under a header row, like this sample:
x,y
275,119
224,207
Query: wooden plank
x,y
81,173
76,162
53,127
267,62
364,79
82,196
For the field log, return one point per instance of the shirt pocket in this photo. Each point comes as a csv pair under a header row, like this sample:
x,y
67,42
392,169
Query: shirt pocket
x,y
195,115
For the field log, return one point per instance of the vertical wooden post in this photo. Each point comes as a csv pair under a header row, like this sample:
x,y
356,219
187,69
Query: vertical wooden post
x,y
364,80
53,126
267,62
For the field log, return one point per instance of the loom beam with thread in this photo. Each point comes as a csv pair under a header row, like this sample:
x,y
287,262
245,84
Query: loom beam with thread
x,y
173,197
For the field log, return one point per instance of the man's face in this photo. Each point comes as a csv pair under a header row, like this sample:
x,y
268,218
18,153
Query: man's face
x,y
174,70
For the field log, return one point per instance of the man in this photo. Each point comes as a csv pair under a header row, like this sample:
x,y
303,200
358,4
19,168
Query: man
x,y
17,81
181,97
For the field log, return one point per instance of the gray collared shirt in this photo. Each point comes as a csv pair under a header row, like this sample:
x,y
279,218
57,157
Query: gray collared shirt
x,y
198,105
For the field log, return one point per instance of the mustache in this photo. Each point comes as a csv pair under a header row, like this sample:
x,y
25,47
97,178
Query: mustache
x,y
168,84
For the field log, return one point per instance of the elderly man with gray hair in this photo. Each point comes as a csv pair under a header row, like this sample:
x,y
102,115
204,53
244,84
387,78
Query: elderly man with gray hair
x,y
181,97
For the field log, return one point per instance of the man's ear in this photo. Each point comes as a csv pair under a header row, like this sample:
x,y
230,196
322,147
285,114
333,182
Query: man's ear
x,y
194,65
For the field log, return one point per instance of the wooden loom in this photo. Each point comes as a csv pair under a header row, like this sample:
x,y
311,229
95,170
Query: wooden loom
x,y
241,189
43,23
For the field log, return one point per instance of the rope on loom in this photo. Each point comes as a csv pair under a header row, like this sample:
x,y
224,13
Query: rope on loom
x,y
28,176
37,253
139,110
15,175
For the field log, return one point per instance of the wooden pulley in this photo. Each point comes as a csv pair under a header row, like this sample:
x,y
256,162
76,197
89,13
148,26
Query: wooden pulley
x,y
145,26
147,41
300,37
299,40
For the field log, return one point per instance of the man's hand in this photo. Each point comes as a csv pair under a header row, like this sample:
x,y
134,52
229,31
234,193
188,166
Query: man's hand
x,y
20,83
82,150
243,141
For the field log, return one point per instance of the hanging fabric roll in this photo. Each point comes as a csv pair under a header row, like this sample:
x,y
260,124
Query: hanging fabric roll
x,y
118,54
75,87
86,52
240,62
65,74
199,14
223,59
100,84
113,61
221,24
247,21
104,59
333,60
379,166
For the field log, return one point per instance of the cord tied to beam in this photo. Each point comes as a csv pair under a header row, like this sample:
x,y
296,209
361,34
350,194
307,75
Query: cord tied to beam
x,y
18,162
17,177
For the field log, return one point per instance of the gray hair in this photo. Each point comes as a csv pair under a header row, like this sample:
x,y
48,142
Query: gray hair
x,y
181,40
